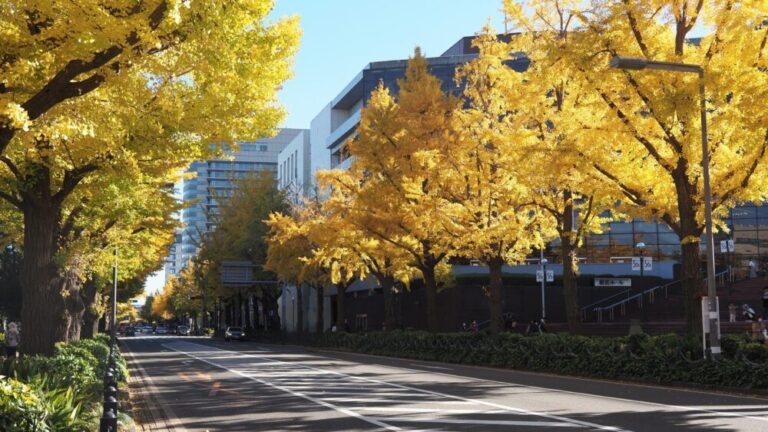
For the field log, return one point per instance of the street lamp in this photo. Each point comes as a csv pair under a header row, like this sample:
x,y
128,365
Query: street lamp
x,y
543,288
640,64
641,247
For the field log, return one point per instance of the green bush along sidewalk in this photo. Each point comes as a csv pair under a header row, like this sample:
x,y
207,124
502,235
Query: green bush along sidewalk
x,y
664,359
59,393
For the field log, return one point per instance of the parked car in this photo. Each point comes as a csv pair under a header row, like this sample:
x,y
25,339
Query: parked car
x,y
130,331
161,330
234,333
182,330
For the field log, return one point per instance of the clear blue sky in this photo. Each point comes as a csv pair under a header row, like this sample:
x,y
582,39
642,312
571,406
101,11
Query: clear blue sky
x,y
341,36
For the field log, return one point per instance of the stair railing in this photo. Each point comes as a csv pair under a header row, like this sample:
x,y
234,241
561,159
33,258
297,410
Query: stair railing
x,y
592,306
720,278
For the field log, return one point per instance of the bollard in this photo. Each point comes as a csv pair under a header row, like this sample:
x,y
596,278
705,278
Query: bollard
x,y
108,422
110,404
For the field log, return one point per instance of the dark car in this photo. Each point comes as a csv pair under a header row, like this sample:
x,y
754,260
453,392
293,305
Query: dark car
x,y
130,331
234,333
182,330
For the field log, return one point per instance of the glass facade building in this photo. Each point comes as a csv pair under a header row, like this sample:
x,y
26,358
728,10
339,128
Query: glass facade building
x,y
213,181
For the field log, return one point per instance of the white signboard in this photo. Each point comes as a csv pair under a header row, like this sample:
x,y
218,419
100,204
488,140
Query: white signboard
x,y
647,264
723,246
635,263
550,276
731,247
613,282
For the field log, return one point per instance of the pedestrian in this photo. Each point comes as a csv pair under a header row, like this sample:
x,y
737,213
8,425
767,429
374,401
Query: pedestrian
x,y
752,269
464,327
765,302
732,312
750,315
474,327
11,340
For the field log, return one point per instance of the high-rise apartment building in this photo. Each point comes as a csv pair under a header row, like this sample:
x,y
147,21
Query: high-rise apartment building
x,y
214,180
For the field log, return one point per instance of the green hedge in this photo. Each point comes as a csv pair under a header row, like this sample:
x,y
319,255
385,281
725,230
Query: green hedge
x,y
58,393
662,359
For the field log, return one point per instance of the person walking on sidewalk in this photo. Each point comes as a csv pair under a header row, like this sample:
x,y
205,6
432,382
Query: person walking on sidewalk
x,y
765,302
11,340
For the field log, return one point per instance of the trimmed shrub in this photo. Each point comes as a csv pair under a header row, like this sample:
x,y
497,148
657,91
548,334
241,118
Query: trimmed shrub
x,y
661,359
21,410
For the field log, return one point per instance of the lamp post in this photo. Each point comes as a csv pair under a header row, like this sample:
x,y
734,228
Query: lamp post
x,y
543,288
640,64
641,247
108,421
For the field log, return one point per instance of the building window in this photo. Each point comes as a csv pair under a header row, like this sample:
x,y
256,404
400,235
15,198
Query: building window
x,y
263,147
295,165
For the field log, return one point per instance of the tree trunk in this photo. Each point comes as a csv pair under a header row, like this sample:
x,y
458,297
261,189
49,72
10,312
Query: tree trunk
x,y
44,315
299,310
430,288
568,243
91,299
692,287
341,290
387,283
690,255
319,319
494,299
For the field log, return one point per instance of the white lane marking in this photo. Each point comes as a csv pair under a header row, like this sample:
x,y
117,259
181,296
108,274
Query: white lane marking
x,y
428,410
478,422
432,367
688,408
395,401
352,393
297,394
445,395
154,393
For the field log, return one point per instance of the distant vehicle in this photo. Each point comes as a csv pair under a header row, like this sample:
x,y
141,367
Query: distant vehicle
x,y
130,331
161,330
234,333
182,330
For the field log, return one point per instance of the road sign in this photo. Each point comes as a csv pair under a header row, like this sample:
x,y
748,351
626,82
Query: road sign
x,y
647,264
731,247
539,276
550,276
723,246
635,263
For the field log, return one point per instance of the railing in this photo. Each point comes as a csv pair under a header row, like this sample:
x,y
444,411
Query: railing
x,y
592,306
621,305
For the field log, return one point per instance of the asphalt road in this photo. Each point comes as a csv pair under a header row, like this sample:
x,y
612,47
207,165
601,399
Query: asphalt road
x,y
203,385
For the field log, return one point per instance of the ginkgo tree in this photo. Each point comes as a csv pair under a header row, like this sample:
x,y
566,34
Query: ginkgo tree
x,y
399,144
643,128
144,94
541,104
492,216
60,50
